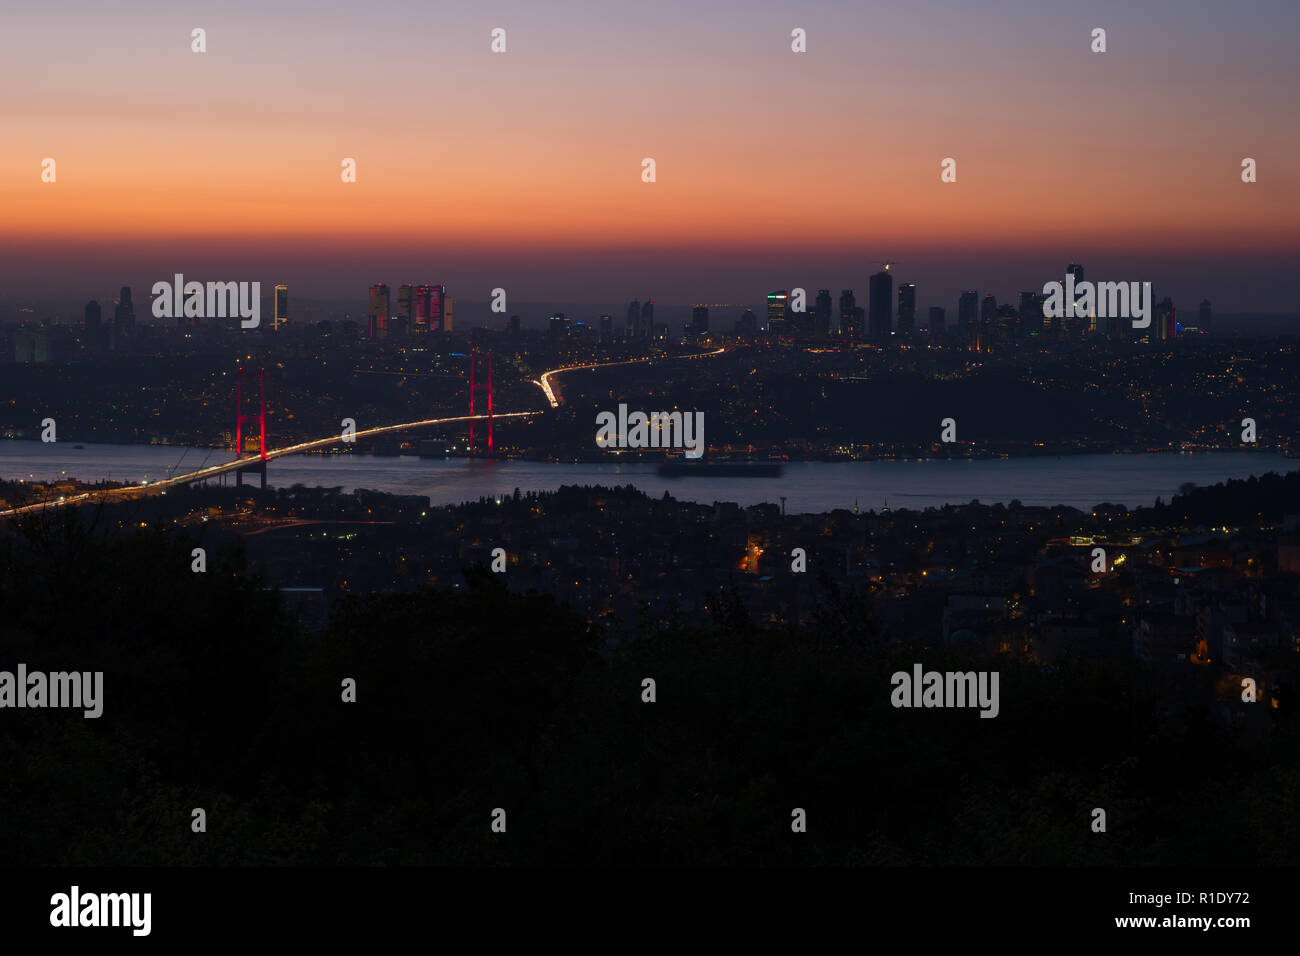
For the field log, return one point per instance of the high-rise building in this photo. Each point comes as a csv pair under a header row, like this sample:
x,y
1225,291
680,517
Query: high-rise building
x,y
777,302
437,309
968,318
937,330
1165,319
1204,318
607,328
404,320
906,310
281,307
557,325
648,318
448,322
1073,324
514,325
634,319
822,314
91,319
379,305
847,304
124,313
747,324
880,306
699,320
1004,326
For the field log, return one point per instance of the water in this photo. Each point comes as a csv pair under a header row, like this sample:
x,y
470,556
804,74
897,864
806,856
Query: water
x,y
809,487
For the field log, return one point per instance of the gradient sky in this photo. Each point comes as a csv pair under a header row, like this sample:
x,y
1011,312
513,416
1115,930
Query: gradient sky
x,y
522,169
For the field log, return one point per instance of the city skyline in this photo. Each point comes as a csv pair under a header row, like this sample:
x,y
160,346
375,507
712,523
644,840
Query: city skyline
x,y
514,170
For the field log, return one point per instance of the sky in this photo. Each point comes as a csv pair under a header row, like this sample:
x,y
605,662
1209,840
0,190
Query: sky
x,y
774,169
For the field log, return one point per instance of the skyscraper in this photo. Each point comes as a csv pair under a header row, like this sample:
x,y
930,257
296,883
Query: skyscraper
x,y
1165,320
437,318
607,328
937,330
1205,318
634,319
880,306
776,311
906,310
1074,324
91,318
968,318
847,304
404,321
557,325
281,307
747,324
822,314
648,318
700,320
124,313
448,322
379,303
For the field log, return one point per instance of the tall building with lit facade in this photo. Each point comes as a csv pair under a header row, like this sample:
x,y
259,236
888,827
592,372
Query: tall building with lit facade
x,y
699,320
847,304
1165,320
880,306
403,319
777,303
906,310
607,328
281,307
379,305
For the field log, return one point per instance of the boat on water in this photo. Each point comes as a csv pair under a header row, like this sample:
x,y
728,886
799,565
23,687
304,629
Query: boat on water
x,y
699,468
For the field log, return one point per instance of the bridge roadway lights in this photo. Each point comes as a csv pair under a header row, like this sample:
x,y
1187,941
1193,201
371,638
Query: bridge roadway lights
x,y
256,464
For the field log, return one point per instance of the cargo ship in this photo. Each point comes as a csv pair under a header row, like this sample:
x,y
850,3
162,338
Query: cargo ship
x,y
699,468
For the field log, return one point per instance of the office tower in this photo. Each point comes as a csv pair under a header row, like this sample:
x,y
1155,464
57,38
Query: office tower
x,y
437,321
1004,326
1205,318
1165,318
968,318
91,319
1030,323
1073,324
822,314
403,320
699,320
634,319
378,311
906,310
880,306
777,303
847,304
858,322
648,318
936,323
448,312
747,324
988,309
607,328
557,325
514,325
281,314
124,313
